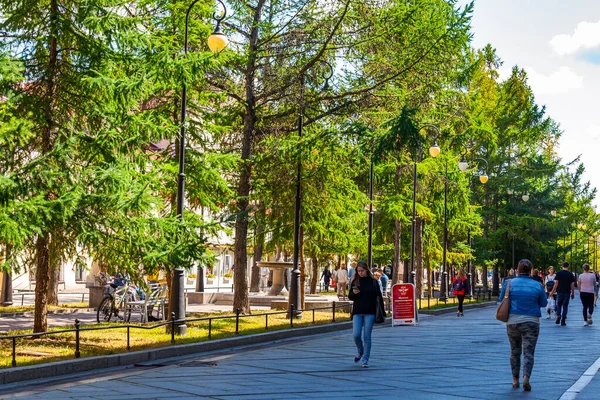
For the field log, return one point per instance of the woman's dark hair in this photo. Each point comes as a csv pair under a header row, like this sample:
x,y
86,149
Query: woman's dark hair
x,y
524,267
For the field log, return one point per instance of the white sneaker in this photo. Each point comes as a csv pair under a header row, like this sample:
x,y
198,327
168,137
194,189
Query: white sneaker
x,y
585,323
548,316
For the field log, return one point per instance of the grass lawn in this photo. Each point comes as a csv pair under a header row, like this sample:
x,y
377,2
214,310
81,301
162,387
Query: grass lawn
x,y
13,309
61,346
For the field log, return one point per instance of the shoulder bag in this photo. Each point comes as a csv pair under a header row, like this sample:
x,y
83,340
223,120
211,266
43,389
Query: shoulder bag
x,y
504,307
379,311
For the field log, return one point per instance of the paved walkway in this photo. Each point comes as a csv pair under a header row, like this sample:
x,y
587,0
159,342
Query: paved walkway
x,y
445,357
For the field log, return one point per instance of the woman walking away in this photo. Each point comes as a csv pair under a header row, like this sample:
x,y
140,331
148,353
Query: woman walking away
x,y
523,326
365,293
587,284
460,287
549,284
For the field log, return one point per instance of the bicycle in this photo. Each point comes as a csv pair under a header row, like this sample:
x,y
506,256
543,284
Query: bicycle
x,y
113,302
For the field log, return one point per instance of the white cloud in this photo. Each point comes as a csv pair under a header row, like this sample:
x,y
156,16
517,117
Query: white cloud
x,y
585,36
560,81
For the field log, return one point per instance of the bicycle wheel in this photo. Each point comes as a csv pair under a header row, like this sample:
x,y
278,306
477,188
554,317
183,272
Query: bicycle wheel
x,y
105,309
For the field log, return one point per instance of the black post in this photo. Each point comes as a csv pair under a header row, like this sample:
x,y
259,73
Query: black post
x,y
200,279
333,311
513,253
77,325
237,321
177,297
414,221
470,276
443,285
177,300
295,296
14,352
291,315
370,250
576,243
128,345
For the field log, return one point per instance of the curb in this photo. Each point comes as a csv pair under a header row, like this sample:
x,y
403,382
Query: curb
x,y
19,374
50,312
448,310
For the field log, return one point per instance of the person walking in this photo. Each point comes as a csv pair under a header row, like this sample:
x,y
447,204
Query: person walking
x,y
564,286
384,282
342,282
549,285
523,326
326,276
587,284
460,287
364,292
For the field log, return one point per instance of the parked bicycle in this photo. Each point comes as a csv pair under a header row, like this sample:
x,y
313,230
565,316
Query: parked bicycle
x,y
116,294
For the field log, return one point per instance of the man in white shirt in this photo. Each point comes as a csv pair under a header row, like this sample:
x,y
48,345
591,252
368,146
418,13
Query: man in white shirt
x,y
342,282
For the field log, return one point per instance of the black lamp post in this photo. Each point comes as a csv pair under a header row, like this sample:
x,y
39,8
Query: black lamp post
x,y
434,150
295,294
216,42
370,249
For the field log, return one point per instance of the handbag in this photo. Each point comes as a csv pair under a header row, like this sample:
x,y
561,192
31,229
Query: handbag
x,y
379,312
504,308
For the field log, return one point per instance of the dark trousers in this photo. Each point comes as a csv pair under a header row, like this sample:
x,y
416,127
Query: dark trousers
x,y
562,305
587,299
523,339
461,300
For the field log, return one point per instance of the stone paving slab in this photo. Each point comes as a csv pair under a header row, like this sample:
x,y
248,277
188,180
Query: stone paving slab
x,y
444,358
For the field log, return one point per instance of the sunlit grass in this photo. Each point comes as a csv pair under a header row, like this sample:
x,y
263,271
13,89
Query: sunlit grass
x,y
61,346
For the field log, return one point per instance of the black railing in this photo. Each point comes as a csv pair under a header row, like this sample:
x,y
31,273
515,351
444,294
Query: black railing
x,y
83,296
173,324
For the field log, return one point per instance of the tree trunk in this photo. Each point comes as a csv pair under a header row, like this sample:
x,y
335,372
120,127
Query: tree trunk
x,y
419,256
314,275
396,265
240,297
258,251
40,321
53,279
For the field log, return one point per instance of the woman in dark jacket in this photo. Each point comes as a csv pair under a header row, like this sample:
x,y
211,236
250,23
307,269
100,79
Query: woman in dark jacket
x,y
365,293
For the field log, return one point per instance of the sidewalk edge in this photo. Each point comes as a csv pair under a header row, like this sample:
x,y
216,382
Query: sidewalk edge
x,y
19,374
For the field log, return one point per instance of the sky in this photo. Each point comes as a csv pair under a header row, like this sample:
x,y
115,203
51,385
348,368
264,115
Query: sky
x,y
558,43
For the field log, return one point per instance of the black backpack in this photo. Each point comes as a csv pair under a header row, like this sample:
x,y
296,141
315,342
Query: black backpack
x,y
458,286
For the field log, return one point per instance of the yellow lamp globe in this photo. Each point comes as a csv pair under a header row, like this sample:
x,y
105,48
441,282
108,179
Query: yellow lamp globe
x,y
483,178
434,150
217,41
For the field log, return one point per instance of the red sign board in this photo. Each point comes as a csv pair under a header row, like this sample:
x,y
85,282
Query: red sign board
x,y
404,311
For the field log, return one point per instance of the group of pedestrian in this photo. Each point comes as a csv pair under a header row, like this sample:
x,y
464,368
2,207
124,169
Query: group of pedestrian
x,y
528,295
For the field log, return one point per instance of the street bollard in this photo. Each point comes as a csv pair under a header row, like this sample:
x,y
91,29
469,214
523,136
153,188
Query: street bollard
x,y
291,315
128,346
77,353
14,352
333,311
266,321
237,321
209,328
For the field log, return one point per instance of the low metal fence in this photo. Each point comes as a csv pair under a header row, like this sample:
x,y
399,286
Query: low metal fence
x,y
292,312
32,294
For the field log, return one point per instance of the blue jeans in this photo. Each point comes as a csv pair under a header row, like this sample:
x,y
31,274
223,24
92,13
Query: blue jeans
x,y
358,322
562,305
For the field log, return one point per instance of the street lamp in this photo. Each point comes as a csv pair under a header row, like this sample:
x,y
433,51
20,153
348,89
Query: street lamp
x,y
295,294
217,41
525,197
434,151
